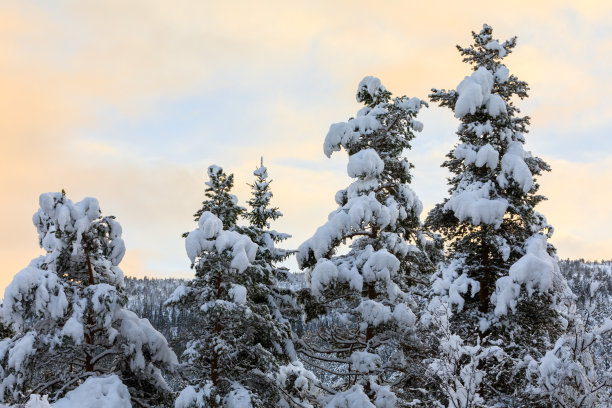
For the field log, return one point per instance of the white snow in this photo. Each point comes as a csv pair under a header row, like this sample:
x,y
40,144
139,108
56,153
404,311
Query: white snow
x,y
472,200
465,152
513,164
550,364
43,288
380,266
385,398
138,333
190,396
484,155
371,85
36,401
452,285
74,329
496,105
502,73
404,316
353,216
496,46
374,313
487,154
411,105
213,170
209,225
365,362
304,378
178,293
194,244
472,92
535,270
97,392
210,234
605,327
345,133
21,351
238,397
475,91
238,293
365,163
324,272
480,129
354,397
187,398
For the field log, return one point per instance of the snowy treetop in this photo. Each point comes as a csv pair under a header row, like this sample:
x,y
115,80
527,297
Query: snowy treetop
x,y
210,235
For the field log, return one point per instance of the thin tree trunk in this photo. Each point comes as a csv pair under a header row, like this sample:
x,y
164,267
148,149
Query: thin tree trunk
x,y
89,336
214,367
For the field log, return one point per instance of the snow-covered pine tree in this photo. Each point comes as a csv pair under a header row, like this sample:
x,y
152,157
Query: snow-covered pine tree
x,y
368,289
67,313
219,200
259,217
231,356
277,305
500,273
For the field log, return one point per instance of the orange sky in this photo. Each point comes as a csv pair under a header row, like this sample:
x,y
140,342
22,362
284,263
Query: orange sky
x,y
129,102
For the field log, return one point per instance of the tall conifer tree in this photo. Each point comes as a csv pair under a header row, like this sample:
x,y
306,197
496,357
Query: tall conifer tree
x,y
277,300
67,313
233,352
501,275
368,290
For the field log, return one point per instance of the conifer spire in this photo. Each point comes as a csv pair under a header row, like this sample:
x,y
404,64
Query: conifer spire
x,y
369,289
500,268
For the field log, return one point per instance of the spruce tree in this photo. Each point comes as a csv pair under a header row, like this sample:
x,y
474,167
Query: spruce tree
x,y
219,200
259,218
501,276
233,350
277,301
66,310
368,291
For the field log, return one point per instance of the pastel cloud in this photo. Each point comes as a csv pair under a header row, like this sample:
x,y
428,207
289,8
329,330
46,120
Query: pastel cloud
x,y
130,101
578,207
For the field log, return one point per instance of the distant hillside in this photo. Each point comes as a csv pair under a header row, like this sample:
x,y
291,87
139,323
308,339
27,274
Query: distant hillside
x,y
146,296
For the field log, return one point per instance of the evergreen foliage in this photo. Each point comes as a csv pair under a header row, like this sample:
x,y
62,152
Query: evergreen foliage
x,y
66,310
278,301
382,315
240,338
501,276
219,200
369,288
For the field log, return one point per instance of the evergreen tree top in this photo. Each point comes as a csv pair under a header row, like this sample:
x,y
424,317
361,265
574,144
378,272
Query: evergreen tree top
x,y
259,217
261,212
220,201
81,244
486,51
379,205
490,163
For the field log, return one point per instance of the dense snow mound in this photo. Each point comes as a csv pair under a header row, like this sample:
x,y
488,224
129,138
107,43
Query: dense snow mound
x,y
475,91
97,392
535,270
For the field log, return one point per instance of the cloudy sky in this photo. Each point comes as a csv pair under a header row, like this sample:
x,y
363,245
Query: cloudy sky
x,y
130,101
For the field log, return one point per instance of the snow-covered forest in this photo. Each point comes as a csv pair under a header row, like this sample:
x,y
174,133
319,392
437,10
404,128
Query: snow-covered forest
x,y
466,306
